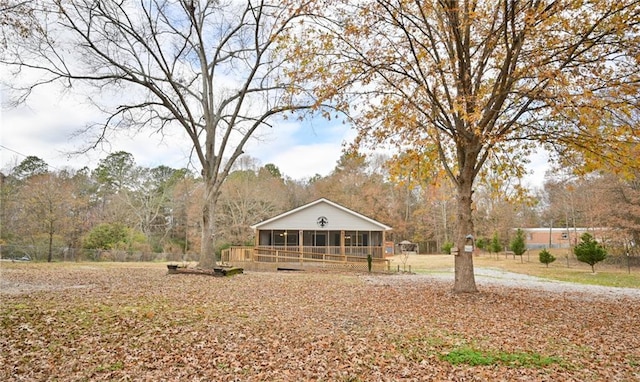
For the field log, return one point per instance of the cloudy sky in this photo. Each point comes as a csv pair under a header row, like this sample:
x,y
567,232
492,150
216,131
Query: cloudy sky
x,y
46,127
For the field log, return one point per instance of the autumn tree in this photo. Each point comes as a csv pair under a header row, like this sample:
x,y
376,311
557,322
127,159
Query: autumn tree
x,y
42,209
621,201
427,196
80,210
356,184
45,213
138,197
8,193
500,204
484,80
250,194
589,251
212,70
185,215
150,201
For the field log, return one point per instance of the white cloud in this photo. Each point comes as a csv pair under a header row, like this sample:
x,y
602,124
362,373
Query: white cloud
x,y
303,162
301,149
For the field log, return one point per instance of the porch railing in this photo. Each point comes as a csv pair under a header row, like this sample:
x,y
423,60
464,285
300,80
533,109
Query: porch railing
x,y
292,255
374,251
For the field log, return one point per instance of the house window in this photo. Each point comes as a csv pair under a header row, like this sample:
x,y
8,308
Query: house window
x,y
356,239
265,238
350,238
315,238
376,238
279,237
291,238
335,239
320,239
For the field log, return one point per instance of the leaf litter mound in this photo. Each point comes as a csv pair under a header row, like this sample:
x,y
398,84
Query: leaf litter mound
x,y
135,322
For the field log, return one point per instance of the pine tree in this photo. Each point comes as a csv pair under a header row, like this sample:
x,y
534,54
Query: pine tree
x,y
589,251
546,257
518,246
495,245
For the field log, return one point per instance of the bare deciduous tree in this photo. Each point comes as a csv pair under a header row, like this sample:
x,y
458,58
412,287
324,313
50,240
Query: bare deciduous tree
x,y
211,68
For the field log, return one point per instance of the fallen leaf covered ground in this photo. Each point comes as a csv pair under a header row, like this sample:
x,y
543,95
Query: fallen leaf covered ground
x,y
89,321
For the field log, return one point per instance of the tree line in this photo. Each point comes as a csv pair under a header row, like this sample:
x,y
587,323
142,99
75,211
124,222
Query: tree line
x,y
121,211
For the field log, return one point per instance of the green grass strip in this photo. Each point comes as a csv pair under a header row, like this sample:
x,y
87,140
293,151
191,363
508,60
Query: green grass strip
x,y
474,357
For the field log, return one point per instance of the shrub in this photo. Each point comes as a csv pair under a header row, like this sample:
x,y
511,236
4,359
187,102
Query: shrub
x,y
546,257
482,243
106,236
446,247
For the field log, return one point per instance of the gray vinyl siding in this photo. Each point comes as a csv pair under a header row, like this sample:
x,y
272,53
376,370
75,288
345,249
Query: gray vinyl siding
x,y
307,219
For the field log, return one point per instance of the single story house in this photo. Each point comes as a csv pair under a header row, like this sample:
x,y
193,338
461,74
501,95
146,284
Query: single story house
x,y
323,228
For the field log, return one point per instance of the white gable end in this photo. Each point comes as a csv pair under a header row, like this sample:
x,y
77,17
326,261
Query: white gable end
x,y
321,215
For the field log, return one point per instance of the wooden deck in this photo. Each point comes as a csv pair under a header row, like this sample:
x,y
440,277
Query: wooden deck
x,y
261,258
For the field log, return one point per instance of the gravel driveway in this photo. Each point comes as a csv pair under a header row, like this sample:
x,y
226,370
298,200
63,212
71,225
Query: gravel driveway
x,y
491,277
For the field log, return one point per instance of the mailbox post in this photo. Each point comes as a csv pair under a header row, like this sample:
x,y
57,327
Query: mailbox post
x,y
469,244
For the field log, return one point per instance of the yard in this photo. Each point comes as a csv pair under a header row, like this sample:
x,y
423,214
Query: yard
x,y
565,268
133,321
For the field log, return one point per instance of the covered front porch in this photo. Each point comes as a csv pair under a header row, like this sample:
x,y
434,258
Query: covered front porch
x,y
332,243
319,232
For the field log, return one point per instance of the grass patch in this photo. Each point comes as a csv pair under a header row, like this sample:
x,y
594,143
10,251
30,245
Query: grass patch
x,y
600,278
577,273
633,360
118,365
474,357
455,351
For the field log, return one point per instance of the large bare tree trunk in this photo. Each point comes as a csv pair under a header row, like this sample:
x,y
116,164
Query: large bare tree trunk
x,y
207,251
464,277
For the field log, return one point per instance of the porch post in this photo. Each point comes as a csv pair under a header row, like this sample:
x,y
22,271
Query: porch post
x,y
301,245
384,243
342,246
301,241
